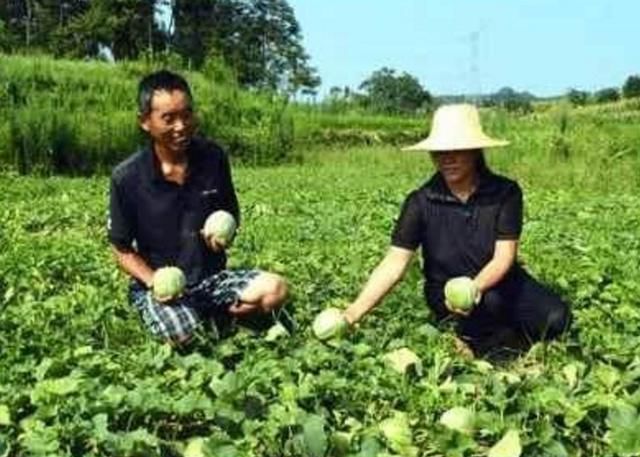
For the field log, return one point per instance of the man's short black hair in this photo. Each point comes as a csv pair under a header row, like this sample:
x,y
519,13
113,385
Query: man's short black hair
x,y
162,80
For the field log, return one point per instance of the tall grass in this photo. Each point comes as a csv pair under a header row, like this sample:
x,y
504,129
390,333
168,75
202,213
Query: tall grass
x,y
73,117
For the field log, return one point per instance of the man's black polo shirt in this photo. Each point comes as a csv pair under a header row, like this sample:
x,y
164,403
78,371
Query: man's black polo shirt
x,y
160,219
458,239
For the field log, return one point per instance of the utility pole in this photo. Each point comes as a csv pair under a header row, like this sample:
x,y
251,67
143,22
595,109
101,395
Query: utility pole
x,y
475,85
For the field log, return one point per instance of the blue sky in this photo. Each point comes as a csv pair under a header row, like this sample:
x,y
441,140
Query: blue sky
x,y
469,46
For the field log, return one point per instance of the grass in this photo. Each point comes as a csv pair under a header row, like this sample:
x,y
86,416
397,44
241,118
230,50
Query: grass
x,y
79,376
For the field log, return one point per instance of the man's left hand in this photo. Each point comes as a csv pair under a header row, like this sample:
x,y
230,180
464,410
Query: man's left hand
x,y
215,244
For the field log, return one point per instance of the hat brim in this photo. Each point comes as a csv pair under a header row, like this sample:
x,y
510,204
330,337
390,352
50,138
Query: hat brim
x,y
430,144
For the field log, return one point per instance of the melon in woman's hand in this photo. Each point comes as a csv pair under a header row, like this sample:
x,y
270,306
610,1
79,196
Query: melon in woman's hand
x,y
330,323
461,293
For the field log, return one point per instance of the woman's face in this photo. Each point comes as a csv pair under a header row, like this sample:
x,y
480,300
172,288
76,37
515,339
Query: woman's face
x,y
456,167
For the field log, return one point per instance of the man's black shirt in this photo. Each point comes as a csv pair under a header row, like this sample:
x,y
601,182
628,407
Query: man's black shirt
x,y
160,219
458,239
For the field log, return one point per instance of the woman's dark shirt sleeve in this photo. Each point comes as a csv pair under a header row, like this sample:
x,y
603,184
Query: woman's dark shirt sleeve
x,y
409,227
509,225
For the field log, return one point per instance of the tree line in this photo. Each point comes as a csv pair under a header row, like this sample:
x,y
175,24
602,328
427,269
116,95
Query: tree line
x,y
256,43
630,89
259,40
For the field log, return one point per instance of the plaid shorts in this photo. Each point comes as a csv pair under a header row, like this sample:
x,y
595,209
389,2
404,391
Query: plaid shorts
x,y
179,319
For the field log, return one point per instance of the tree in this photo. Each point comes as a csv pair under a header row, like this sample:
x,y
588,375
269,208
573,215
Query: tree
x,y
78,28
260,39
127,27
5,41
610,94
631,87
31,24
577,97
511,100
386,92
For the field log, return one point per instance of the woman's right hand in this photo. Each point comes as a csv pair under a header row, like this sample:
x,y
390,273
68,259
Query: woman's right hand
x,y
350,317
458,311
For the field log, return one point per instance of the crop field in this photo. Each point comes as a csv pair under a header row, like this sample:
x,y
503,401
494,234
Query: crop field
x,y
79,376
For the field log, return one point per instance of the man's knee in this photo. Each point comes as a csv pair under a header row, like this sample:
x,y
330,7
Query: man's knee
x,y
269,291
276,292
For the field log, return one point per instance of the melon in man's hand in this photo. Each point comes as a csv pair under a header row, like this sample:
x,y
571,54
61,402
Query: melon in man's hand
x,y
168,282
461,293
221,225
330,323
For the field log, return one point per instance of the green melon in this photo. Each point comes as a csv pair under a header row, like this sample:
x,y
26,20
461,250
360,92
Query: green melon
x,y
168,282
221,225
460,293
330,323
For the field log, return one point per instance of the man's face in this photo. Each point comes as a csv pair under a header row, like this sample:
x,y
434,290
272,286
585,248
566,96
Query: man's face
x,y
170,123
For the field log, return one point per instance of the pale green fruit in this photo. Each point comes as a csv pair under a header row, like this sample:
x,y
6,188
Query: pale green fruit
x,y
330,323
221,225
460,293
168,282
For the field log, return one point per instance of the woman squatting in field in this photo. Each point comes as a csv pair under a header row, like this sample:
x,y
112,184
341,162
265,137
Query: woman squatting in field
x,y
467,222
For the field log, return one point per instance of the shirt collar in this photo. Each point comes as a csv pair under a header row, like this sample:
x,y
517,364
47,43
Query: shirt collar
x,y
152,164
437,189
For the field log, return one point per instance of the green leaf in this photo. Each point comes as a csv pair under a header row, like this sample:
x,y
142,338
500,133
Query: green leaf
x,y
623,415
403,359
214,446
48,389
226,386
195,448
370,447
397,432
624,434
5,447
555,449
340,443
315,438
5,415
508,446
39,439
460,419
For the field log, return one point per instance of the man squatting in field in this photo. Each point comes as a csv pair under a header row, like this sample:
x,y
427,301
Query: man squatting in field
x,y
159,200
467,221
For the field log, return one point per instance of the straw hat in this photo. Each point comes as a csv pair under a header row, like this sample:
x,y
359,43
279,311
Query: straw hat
x,y
456,127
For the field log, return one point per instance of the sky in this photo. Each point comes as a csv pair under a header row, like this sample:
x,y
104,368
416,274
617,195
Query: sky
x,y
545,47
